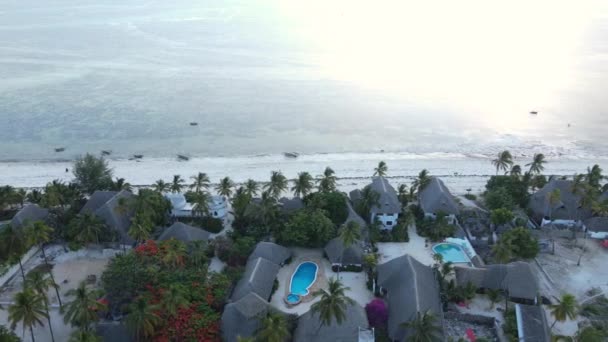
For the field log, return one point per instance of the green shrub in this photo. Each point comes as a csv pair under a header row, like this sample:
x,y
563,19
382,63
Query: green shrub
x,y
435,229
347,268
308,228
332,203
400,233
208,223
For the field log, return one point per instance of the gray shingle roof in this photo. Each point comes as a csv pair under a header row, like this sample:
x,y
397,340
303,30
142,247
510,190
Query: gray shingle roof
x,y
337,254
113,332
271,252
533,320
243,317
389,203
436,198
516,277
28,214
597,224
258,277
185,233
308,327
109,212
291,204
353,216
411,288
567,208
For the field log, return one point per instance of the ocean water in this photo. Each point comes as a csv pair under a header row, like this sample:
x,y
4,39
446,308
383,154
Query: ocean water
x,y
442,88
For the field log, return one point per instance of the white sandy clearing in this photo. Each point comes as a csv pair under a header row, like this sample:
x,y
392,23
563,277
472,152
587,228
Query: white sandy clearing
x,y
216,265
480,305
416,247
356,281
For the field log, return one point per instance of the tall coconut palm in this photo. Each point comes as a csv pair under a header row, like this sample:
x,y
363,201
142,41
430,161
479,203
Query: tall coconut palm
x,y
567,308
251,188
121,184
369,199
173,298
200,182
350,233
537,164
503,251
327,182
381,169
141,228
82,310
421,181
224,188
88,228
15,244
177,184
27,309
594,176
277,184
503,161
142,318
84,336
174,252
201,204
34,196
38,233
160,186
333,303
424,328
302,185
273,329
515,170
197,254
40,285
403,195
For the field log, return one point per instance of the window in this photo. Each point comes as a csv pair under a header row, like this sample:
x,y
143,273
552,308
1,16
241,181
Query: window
x,y
389,223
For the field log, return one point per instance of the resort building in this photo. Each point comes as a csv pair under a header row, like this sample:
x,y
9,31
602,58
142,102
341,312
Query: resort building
x,y
184,233
344,256
271,252
112,208
180,207
532,323
28,214
311,329
243,318
436,199
516,278
114,332
565,211
258,278
289,205
409,288
389,208
597,227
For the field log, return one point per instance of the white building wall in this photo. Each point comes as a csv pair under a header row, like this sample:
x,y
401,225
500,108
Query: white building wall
x,y
388,220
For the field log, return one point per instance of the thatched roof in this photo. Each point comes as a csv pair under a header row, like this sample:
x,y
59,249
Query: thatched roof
x,y
597,224
271,252
243,317
113,332
567,208
337,254
106,206
258,277
291,204
354,217
97,199
185,233
411,288
516,277
310,329
534,324
388,202
28,214
436,198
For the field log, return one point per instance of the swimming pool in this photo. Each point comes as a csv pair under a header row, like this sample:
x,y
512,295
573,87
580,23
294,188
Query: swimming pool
x,y
304,276
451,252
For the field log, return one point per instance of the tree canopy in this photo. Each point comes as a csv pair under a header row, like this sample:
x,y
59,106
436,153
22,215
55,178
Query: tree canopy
x,y
92,173
309,228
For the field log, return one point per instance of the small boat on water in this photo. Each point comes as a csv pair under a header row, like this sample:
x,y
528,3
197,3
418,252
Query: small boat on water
x,y
291,154
534,112
106,152
138,156
60,149
182,157
194,123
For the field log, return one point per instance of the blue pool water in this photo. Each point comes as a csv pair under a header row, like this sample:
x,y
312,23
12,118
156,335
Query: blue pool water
x,y
304,276
451,252
293,298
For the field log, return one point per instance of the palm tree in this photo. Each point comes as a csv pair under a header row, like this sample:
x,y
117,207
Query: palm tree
x,y
554,197
503,251
567,308
82,311
600,208
224,188
369,199
273,329
265,210
537,164
197,255
493,296
594,176
251,188
40,285
424,328
88,227
201,204
421,181
200,182
403,195
141,228
28,309
173,299
277,184
302,185
333,303
160,186
515,170
350,233
84,336
121,184
503,161
381,170
142,319
39,233
15,245
327,182
34,196
177,184
174,253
